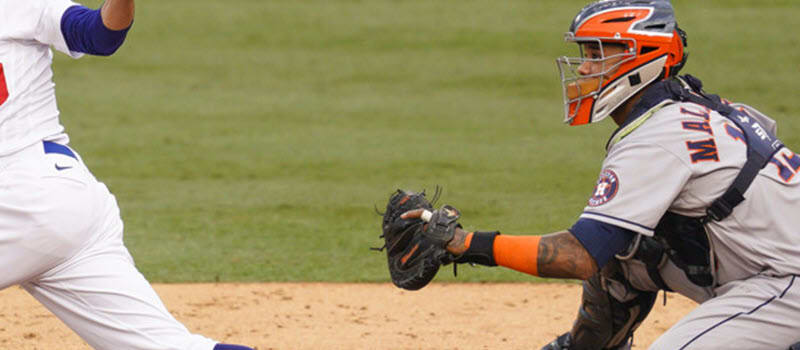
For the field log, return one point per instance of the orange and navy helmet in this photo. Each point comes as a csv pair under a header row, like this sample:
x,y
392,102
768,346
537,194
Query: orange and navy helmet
x,y
653,50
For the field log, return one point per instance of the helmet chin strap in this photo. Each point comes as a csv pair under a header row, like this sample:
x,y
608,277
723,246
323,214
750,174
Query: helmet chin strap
x,y
623,111
626,86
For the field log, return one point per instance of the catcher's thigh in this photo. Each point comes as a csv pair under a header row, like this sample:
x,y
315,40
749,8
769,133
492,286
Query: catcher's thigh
x,y
758,313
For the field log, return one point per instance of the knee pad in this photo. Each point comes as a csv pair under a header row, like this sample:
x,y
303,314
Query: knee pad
x,y
603,321
564,342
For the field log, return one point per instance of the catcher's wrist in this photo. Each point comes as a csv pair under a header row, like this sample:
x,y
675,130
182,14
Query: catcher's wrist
x,y
479,249
492,249
460,241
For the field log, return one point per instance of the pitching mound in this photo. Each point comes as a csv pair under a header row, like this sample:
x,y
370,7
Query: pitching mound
x,y
349,316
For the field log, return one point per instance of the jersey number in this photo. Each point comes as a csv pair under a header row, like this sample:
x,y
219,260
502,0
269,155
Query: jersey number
x,y
3,87
788,166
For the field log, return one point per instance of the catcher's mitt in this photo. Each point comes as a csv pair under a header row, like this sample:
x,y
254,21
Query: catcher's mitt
x,y
415,249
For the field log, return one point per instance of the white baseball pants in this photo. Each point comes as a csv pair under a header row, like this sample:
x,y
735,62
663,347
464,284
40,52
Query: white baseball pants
x,y
61,240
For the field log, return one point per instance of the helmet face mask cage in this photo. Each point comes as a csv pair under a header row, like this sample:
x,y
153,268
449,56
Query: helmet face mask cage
x,y
580,88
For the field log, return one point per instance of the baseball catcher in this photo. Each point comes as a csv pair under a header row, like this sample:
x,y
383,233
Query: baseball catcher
x,y
696,195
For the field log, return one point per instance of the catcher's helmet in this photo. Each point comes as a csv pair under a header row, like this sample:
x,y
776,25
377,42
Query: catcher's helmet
x,y
653,49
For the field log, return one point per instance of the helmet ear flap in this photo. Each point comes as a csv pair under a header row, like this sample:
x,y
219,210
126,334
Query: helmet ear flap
x,y
682,35
678,66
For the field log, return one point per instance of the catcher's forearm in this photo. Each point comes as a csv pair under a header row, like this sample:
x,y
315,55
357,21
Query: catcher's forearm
x,y
561,255
556,255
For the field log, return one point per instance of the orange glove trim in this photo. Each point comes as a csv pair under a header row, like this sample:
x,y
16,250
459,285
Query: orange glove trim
x,y
519,253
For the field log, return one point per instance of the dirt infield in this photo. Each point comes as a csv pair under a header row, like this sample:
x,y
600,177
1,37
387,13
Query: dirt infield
x,y
349,316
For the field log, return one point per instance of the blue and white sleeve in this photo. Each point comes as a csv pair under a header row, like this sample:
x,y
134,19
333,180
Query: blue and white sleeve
x,y
84,31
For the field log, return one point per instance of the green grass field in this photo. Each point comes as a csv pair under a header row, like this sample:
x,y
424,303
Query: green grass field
x,y
250,140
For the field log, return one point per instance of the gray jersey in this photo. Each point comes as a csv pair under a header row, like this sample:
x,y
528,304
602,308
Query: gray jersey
x,y
681,158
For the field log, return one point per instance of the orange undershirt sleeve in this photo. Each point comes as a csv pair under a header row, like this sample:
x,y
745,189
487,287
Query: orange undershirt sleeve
x,y
518,253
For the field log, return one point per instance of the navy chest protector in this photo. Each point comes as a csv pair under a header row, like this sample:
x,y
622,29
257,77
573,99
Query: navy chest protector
x,y
684,238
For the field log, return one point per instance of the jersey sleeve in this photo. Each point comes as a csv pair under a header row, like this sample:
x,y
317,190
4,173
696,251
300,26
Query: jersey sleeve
x,y
84,31
601,240
48,27
638,183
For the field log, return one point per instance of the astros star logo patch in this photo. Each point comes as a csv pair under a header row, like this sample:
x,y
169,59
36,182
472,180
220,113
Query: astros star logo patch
x,y
606,188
